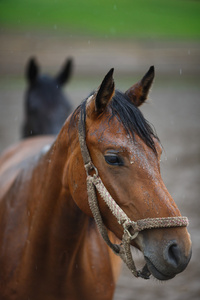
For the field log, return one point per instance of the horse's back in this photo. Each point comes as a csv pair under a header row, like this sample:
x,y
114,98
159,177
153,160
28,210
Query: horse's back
x,y
17,158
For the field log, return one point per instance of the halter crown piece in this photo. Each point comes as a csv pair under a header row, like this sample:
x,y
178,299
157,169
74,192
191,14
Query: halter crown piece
x,y
94,183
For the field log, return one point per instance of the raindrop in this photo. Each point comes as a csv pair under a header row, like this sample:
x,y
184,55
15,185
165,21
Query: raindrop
x,y
180,71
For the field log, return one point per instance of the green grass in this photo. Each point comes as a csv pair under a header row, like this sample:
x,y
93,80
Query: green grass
x,y
105,18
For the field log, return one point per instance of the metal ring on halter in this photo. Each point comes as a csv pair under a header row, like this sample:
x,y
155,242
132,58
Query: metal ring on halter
x,y
127,226
90,167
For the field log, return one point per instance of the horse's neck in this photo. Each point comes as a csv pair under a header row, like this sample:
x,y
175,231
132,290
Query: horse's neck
x,y
57,218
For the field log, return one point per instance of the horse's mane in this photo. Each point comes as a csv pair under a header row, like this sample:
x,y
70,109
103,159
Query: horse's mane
x,y
128,114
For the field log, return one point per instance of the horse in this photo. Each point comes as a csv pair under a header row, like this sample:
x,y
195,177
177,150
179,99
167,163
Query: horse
x,y
51,247
46,107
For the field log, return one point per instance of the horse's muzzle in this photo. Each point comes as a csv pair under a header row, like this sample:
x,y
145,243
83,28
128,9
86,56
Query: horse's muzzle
x,y
169,263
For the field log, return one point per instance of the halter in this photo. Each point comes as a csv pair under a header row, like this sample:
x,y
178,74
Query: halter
x,y
131,228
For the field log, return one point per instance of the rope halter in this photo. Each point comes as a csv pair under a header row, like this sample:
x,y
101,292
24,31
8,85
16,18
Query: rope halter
x,y
131,228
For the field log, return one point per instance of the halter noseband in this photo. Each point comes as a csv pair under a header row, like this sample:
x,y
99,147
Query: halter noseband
x,y
131,228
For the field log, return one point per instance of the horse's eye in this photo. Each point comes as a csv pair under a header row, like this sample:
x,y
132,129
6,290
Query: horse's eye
x,y
113,159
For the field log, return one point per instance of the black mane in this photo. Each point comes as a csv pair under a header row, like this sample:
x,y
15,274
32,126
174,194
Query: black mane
x,y
128,114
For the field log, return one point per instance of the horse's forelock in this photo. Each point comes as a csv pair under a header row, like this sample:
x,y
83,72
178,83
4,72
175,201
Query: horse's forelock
x,y
128,114
132,119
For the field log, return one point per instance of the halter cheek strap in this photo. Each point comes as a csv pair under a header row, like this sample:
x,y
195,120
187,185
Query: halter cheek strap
x,y
131,228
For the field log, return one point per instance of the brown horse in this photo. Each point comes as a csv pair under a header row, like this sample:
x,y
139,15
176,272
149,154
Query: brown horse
x,y
50,247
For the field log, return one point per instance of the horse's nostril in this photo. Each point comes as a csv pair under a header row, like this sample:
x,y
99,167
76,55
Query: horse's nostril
x,y
173,255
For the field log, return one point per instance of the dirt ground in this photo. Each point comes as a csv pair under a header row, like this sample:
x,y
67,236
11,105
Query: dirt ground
x,y
173,108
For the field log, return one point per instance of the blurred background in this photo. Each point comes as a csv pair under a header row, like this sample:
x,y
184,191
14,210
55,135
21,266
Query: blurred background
x,y
129,35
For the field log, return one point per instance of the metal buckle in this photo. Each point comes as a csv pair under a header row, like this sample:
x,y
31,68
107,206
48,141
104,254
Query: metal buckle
x,y
127,225
90,167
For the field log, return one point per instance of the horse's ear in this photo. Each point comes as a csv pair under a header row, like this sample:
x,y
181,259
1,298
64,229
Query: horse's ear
x,y
138,93
105,92
66,72
32,70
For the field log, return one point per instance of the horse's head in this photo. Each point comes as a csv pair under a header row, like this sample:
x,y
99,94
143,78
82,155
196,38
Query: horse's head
x,y
126,152
46,107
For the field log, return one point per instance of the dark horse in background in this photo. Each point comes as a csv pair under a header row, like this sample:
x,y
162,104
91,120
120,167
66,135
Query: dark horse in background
x,y
50,247
46,106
